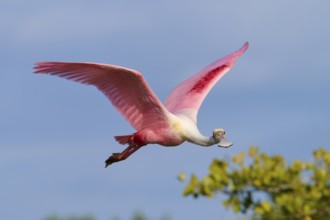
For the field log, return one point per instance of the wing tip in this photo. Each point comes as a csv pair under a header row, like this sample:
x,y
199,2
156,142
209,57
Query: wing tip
x,y
242,49
43,66
245,47
40,67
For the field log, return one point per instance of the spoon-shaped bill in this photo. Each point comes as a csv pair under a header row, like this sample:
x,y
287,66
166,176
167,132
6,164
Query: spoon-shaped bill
x,y
225,143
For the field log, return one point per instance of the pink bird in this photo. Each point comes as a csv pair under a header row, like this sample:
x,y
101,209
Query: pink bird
x,y
168,124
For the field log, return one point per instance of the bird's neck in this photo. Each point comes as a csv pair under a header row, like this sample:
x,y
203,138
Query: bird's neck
x,y
187,127
203,140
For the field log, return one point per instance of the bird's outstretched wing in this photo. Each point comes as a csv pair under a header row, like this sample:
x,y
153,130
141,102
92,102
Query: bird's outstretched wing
x,y
125,88
188,96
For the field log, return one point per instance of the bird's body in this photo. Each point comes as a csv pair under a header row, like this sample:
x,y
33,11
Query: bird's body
x,y
168,124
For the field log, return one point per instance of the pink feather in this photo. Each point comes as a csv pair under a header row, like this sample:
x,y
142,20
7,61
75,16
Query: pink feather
x,y
125,88
188,96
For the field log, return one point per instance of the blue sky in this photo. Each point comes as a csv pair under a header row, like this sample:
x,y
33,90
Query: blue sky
x,y
55,134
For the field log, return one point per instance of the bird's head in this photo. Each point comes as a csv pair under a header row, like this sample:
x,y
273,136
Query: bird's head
x,y
219,136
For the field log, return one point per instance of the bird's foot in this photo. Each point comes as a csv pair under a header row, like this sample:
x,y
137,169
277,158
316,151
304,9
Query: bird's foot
x,y
115,157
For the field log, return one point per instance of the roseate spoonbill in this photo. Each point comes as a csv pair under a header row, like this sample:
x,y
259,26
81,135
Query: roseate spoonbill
x,y
168,124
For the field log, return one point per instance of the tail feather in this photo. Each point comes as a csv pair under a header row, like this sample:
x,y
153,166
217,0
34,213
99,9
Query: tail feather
x,y
124,139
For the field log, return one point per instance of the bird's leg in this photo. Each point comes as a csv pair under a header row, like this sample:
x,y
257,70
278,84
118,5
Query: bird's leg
x,y
115,157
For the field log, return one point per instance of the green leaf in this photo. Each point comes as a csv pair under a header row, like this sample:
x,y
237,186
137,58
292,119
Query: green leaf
x,y
181,176
297,191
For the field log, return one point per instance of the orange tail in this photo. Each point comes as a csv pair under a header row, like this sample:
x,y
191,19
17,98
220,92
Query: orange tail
x,y
124,139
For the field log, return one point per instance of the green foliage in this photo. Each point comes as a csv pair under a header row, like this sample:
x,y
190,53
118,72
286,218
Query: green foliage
x,y
267,186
